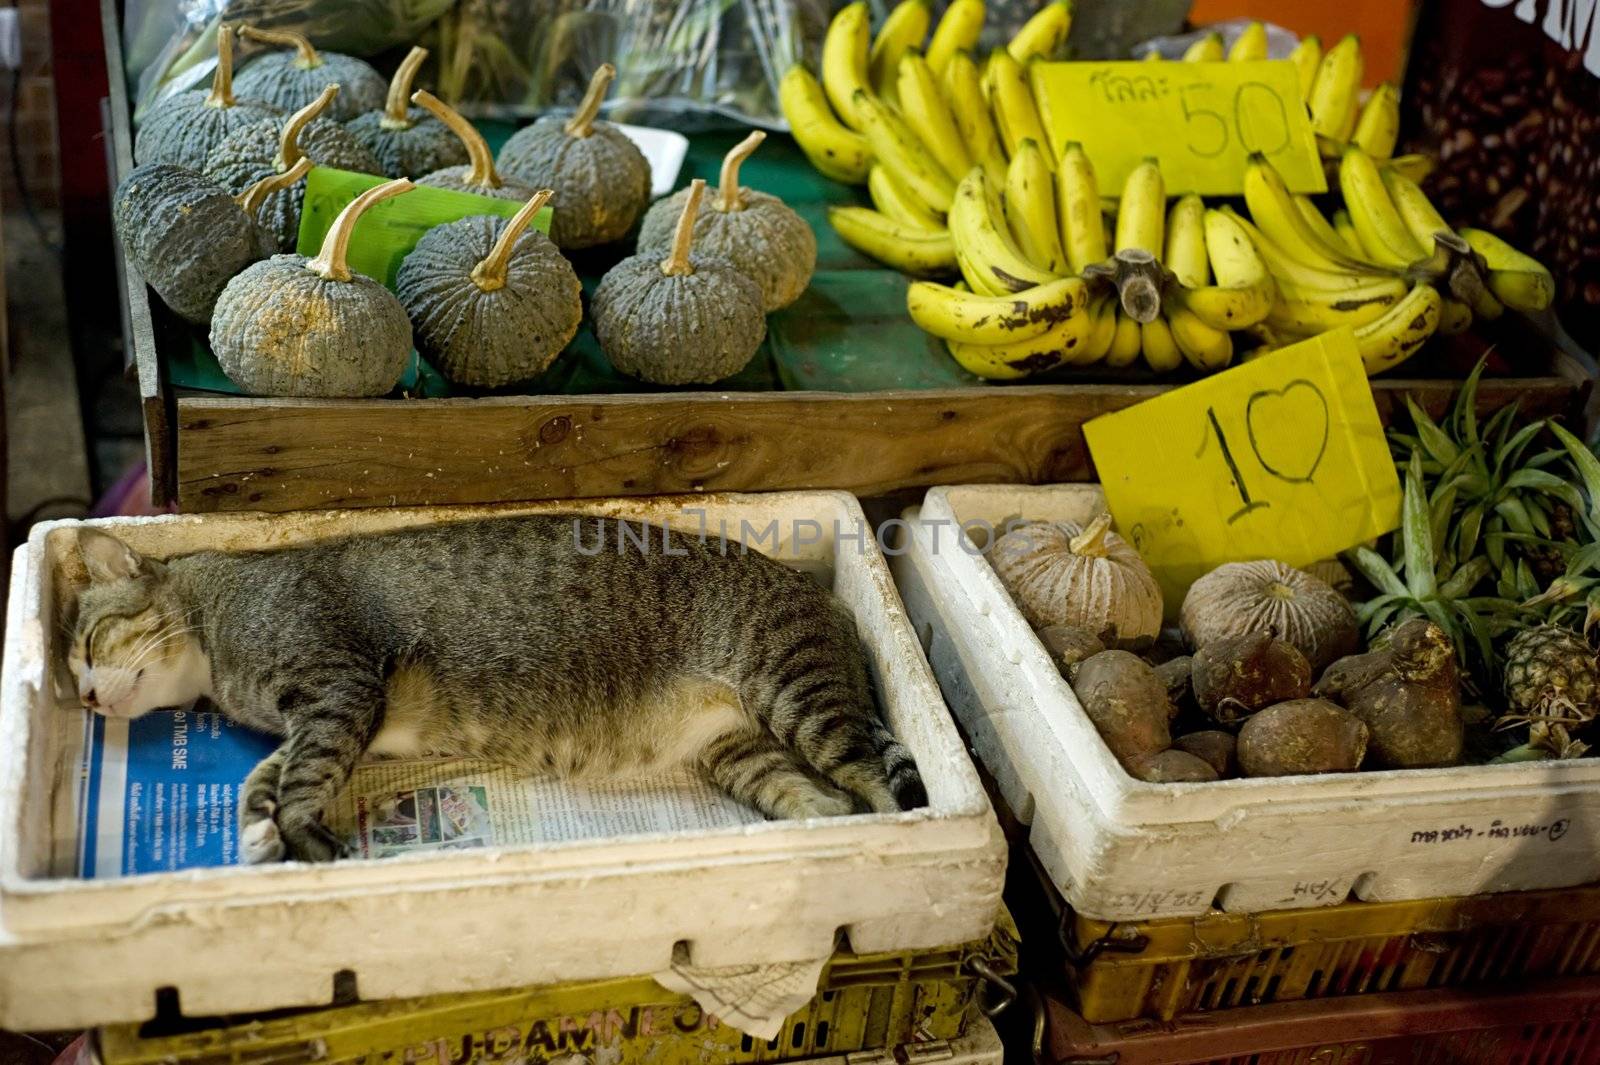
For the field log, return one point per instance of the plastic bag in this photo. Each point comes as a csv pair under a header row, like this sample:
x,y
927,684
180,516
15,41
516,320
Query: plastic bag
x,y
676,60
171,45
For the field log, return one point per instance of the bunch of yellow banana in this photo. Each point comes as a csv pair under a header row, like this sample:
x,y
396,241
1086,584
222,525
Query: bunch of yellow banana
x,y
909,122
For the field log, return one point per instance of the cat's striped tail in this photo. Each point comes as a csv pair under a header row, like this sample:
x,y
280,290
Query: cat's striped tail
x,y
905,782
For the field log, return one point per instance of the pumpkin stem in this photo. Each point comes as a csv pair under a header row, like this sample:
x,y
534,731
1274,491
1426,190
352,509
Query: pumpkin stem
x,y
677,263
1092,541
491,273
395,114
728,190
289,152
482,172
581,124
250,199
221,94
308,59
1279,590
330,263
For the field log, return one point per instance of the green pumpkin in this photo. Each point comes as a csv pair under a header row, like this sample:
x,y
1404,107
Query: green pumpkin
x,y
685,319
601,179
758,233
289,81
479,176
491,303
267,148
293,326
405,140
183,128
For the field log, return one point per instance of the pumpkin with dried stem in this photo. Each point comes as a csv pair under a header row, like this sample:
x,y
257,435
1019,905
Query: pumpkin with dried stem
x,y
290,80
265,148
188,236
685,319
293,326
478,176
755,231
407,140
491,301
601,179
183,128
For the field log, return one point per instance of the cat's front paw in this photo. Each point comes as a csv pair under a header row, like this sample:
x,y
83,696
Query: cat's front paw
x,y
312,842
260,842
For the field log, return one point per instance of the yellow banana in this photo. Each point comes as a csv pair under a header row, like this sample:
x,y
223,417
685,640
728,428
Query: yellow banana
x,y
983,362
1286,270
1486,306
1102,329
1042,36
977,278
1422,219
1307,312
1515,278
1031,208
1378,224
1015,113
906,248
1083,232
899,203
1306,57
1317,220
977,222
1244,292
1126,342
1207,49
1455,317
957,31
1054,347
1394,338
844,62
1415,166
1160,350
1273,209
1333,94
1186,242
963,91
904,29
925,112
1347,232
1141,212
978,319
1205,348
835,150
1250,45
1378,128
899,149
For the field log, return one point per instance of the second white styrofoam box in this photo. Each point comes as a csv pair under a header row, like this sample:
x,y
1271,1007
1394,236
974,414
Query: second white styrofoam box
x,y
236,939
1122,849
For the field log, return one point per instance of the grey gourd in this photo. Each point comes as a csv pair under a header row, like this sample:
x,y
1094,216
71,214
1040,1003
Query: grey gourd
x,y
187,236
754,231
293,326
479,175
406,140
685,319
183,128
491,302
272,147
601,179
290,80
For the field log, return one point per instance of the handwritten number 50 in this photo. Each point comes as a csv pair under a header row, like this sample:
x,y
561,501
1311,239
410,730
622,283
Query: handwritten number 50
x,y
1208,129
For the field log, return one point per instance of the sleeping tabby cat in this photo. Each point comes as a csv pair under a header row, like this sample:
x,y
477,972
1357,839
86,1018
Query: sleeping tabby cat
x,y
509,639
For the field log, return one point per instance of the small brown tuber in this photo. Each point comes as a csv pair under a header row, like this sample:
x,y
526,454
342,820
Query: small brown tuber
x,y
1235,676
1068,645
1173,767
1214,747
1301,736
1408,694
1127,702
1177,675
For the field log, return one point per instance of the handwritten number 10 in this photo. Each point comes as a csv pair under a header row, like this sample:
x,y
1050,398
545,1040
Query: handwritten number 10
x,y
1212,140
1233,469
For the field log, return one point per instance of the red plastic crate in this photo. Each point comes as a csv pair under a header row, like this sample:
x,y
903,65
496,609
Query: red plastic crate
x,y
1556,1023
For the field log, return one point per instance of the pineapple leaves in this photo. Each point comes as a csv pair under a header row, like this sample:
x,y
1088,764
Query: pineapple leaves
x,y
1435,441
1417,532
1372,566
1588,468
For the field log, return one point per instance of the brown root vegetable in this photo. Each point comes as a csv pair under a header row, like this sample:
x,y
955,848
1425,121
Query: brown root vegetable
x,y
1127,702
1178,675
1068,645
1268,596
1212,746
1173,767
1301,736
1235,676
1408,695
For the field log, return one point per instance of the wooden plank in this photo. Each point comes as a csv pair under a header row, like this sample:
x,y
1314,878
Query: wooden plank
x,y
275,455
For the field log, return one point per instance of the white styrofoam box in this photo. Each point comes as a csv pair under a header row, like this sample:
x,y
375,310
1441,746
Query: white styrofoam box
x,y
79,952
1121,849
664,150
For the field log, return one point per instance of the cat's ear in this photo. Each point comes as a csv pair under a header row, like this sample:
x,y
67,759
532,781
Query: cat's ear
x,y
109,559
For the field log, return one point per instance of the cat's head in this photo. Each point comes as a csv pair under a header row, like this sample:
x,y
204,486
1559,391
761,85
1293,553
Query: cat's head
x,y
132,650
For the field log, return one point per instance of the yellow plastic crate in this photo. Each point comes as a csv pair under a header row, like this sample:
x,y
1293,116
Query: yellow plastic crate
x,y
864,1002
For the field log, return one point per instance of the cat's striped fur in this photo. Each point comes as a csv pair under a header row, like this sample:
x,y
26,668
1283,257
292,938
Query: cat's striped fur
x,y
500,639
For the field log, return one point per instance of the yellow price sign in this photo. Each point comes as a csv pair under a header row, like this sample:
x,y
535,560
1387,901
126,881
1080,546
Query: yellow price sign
x,y
1283,457
1202,120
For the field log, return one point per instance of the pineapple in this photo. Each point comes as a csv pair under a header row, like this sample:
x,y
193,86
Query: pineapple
x,y
1550,675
